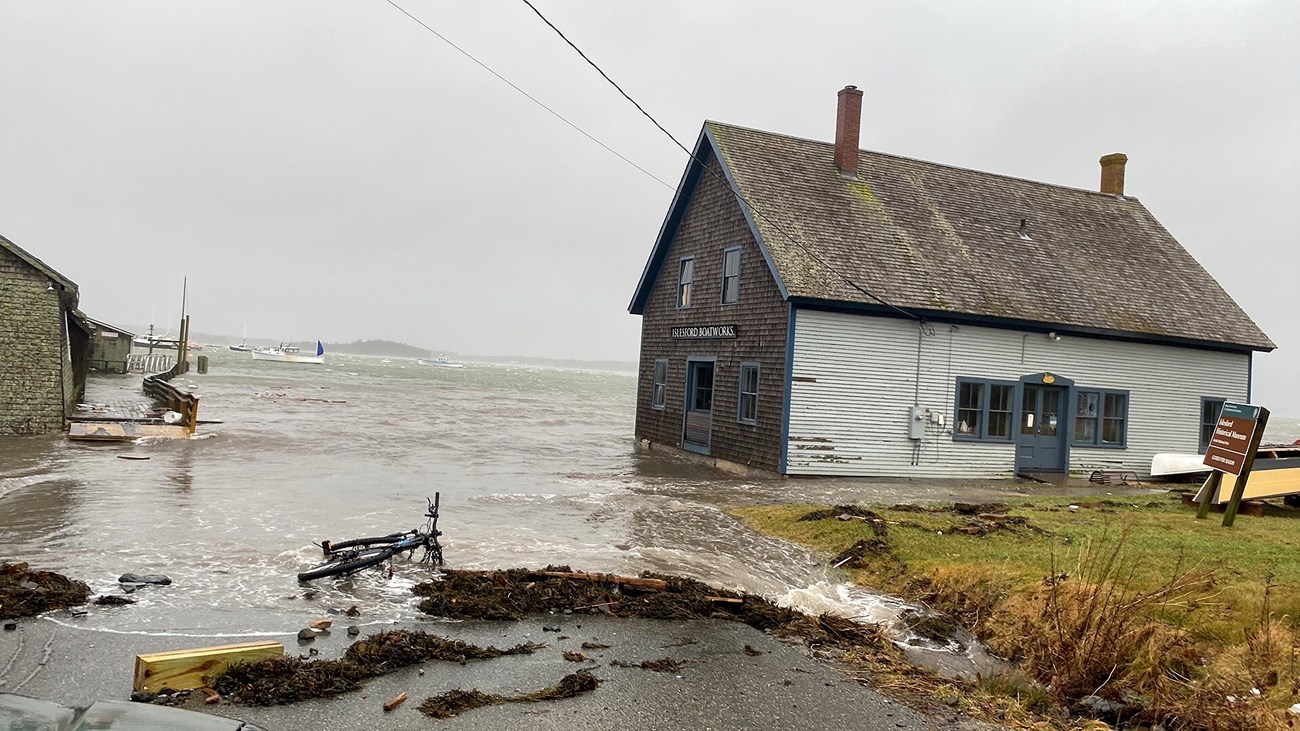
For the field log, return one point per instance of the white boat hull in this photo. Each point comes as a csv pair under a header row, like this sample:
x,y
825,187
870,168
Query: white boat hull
x,y
440,364
288,357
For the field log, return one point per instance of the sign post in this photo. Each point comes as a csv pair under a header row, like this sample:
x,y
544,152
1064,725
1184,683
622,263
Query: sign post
x,y
1232,449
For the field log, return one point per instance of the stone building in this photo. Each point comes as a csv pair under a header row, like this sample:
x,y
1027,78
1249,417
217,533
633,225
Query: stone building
x,y
814,308
44,344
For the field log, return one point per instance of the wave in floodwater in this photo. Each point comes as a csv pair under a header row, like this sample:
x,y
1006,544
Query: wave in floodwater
x,y
534,466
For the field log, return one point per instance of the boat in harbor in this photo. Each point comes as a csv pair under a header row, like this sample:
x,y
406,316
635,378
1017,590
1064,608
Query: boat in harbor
x,y
441,361
290,354
155,343
243,343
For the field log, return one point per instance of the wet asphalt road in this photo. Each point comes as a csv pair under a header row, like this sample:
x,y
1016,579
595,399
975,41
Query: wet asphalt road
x,y
720,687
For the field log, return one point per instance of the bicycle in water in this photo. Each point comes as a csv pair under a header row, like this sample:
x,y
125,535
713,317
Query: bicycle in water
x,y
346,557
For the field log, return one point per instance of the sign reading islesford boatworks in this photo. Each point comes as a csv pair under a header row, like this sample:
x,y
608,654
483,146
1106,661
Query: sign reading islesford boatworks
x,y
703,332
1233,437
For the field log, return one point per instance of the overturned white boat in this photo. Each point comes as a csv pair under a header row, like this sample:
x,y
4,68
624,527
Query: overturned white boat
x,y
1170,464
290,354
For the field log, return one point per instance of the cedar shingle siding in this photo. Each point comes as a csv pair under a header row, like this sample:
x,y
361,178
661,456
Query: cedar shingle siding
x,y
713,222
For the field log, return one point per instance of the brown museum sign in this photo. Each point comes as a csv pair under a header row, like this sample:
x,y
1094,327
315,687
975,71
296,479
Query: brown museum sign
x,y
1233,438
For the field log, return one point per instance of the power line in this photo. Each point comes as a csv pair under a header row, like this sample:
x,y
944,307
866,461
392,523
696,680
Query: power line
x,y
816,257
606,76
531,98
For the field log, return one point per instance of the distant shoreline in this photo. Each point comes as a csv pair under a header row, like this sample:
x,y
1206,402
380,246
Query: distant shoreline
x,y
618,366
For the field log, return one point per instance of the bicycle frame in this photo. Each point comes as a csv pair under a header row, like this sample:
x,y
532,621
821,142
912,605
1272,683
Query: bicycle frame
x,y
366,552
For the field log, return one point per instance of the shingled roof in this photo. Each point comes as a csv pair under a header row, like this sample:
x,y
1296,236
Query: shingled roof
x,y
37,264
938,240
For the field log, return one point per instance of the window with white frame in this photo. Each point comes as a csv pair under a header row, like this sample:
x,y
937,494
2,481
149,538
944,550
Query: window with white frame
x,y
731,276
685,278
659,387
748,408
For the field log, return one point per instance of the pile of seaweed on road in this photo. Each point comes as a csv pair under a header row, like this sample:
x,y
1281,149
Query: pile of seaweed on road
x,y
513,593
26,593
281,680
510,595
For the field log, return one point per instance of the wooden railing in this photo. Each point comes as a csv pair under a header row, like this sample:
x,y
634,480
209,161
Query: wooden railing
x,y
160,388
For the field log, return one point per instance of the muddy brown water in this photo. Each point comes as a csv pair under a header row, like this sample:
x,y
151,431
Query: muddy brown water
x,y
535,466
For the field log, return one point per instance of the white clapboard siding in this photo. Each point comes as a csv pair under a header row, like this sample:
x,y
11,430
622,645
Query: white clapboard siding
x,y
854,379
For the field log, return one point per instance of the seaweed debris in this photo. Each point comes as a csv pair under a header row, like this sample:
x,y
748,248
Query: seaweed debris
x,y
281,680
510,594
26,593
575,656
452,702
662,665
113,600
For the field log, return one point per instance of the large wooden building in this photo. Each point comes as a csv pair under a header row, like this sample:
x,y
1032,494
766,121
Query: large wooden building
x,y
811,308
44,344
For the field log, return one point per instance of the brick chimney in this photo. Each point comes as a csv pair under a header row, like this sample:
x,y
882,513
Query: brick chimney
x,y
1112,173
848,123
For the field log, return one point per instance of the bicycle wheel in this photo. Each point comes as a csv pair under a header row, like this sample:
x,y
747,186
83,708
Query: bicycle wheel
x,y
364,558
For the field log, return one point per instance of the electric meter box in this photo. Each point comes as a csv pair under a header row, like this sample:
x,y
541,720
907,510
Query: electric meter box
x,y
916,422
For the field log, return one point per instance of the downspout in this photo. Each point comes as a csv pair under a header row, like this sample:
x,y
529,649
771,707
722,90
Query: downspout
x,y
916,390
65,350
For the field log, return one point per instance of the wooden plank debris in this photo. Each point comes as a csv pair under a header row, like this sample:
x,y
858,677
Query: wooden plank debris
x,y
635,582
395,701
123,431
195,668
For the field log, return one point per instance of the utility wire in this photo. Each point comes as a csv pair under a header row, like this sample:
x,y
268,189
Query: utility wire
x,y
816,257
532,98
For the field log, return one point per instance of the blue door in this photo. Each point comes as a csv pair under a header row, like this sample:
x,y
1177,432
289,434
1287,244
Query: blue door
x,y
1040,443
699,406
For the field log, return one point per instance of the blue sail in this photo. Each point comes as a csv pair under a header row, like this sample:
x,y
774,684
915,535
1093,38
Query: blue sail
x,y
320,349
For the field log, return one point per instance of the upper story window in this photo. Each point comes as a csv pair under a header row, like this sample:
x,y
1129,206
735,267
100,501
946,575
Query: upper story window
x,y
685,278
1101,418
731,276
1210,408
659,385
984,410
747,413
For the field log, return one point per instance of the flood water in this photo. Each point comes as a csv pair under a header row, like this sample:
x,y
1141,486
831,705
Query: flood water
x,y
535,466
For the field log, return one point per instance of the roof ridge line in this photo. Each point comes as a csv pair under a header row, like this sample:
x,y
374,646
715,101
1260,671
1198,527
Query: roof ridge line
x,y
948,166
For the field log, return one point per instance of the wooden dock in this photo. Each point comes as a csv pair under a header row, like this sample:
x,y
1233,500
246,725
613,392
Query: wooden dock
x,y
123,431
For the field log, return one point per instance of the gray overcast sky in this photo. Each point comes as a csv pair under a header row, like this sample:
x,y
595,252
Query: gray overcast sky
x,y
332,170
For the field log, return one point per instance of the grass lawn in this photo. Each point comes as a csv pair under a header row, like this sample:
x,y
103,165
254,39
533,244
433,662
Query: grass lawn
x,y
1163,537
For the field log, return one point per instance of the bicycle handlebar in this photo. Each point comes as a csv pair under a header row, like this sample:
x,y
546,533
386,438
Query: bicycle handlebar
x,y
432,512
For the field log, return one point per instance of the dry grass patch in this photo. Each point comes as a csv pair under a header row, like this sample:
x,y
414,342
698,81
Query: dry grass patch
x,y
1132,612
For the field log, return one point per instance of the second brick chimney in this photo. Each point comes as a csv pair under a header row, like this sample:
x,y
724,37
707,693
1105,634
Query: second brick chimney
x,y
1112,173
848,123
